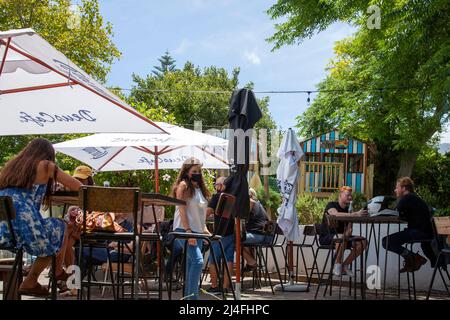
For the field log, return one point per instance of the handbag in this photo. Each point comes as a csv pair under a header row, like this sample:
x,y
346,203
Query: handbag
x,y
100,221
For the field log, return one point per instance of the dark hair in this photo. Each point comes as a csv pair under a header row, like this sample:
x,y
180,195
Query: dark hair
x,y
183,175
407,183
20,172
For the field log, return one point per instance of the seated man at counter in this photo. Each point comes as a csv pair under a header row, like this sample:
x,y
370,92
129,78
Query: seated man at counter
x,y
417,214
330,234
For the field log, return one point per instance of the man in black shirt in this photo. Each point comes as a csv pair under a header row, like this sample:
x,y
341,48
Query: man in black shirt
x,y
342,233
416,213
254,228
225,228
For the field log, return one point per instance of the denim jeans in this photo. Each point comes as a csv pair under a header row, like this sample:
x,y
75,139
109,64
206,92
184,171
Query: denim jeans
x,y
256,238
194,265
395,241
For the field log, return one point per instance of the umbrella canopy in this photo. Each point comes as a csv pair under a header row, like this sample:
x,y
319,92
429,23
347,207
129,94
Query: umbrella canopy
x,y
243,114
43,92
289,153
118,152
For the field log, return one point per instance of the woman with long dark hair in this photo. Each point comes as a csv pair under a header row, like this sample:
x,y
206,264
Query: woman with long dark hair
x,y
190,187
29,179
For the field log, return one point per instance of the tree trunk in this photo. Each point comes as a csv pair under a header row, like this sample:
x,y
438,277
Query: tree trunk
x,y
407,162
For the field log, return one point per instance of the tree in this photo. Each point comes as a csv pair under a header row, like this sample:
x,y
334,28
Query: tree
x,y
389,85
81,35
167,65
192,94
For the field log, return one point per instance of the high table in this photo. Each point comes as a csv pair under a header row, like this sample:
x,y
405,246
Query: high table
x,y
371,234
154,199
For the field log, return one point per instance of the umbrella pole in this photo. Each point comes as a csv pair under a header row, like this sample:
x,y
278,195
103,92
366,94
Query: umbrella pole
x,y
156,171
238,259
158,244
291,262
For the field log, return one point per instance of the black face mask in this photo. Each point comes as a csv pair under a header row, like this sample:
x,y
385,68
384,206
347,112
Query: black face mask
x,y
196,177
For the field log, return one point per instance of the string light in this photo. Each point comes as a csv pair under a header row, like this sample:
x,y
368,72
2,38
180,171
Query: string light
x,y
271,91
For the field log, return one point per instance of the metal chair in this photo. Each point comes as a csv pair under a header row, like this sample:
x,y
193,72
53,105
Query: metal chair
x,y
118,200
224,210
8,213
262,259
308,232
186,236
441,228
331,248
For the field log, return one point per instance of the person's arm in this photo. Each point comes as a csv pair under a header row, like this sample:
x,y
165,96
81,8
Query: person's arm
x,y
334,212
206,231
402,208
66,180
181,194
209,211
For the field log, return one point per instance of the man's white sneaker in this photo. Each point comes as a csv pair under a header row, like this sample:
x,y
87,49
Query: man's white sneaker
x,y
337,271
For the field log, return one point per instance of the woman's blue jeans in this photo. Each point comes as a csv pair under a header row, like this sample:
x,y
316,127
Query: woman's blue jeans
x,y
194,266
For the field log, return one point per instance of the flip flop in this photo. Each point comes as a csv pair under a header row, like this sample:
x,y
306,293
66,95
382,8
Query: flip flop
x,y
38,290
61,285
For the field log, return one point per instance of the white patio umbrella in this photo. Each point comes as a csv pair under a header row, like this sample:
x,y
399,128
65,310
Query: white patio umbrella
x,y
43,92
289,153
119,152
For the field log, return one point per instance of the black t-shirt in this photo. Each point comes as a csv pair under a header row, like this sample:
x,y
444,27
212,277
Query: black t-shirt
x,y
257,219
324,228
229,224
416,212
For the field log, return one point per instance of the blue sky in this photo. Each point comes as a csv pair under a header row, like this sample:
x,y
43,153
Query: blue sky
x,y
224,33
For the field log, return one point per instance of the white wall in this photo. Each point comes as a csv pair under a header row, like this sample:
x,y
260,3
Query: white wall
x,y
423,276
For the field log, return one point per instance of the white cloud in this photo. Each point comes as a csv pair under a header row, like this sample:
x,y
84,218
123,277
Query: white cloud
x,y
183,46
252,57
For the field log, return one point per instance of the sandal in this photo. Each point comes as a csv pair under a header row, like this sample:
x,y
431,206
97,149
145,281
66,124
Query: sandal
x,y
69,293
250,268
61,285
37,290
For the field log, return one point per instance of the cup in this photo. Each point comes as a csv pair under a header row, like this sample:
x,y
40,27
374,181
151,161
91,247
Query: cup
x,y
106,184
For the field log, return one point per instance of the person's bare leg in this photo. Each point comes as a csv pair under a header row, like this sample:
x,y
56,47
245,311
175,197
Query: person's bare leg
x,y
339,252
226,281
248,256
69,257
213,275
358,249
36,269
60,256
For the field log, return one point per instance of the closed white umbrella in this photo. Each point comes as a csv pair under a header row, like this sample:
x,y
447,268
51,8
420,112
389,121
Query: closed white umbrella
x,y
43,92
119,152
289,153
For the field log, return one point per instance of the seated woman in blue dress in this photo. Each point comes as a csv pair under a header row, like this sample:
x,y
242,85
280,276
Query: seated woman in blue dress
x,y
29,179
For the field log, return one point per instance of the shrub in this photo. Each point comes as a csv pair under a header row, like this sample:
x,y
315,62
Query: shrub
x,y
274,201
310,209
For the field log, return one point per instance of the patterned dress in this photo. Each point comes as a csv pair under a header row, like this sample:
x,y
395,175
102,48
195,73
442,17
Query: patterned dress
x,y
38,236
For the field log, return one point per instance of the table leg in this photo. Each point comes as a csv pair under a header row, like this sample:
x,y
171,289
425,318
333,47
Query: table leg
x,y
385,260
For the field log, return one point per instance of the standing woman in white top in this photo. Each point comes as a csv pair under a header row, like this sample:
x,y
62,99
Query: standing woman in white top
x,y
191,218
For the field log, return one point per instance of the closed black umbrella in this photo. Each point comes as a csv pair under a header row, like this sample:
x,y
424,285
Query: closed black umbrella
x,y
243,114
